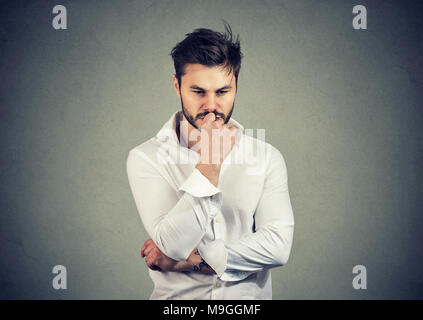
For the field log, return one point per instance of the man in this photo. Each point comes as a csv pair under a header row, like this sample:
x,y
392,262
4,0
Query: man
x,y
214,200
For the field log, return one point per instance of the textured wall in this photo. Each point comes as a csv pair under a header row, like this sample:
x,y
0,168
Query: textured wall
x,y
343,106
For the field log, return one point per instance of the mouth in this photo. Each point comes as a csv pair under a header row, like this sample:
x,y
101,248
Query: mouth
x,y
216,118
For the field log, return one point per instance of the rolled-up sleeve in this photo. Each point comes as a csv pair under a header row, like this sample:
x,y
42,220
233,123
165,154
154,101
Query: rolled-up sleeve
x,y
176,228
270,245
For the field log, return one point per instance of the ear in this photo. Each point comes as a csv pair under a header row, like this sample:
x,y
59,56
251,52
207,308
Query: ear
x,y
176,85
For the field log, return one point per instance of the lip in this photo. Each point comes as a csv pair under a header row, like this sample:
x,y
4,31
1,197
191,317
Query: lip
x,y
216,118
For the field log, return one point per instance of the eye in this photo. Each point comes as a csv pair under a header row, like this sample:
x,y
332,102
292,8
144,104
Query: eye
x,y
222,92
199,92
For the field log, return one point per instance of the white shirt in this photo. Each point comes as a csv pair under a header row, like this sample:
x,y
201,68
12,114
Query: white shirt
x,y
241,229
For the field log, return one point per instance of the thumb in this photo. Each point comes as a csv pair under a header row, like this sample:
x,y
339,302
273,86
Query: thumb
x,y
208,119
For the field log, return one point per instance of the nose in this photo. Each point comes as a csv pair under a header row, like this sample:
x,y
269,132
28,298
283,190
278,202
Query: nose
x,y
210,103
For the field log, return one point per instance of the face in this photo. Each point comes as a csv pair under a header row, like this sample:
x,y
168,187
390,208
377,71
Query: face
x,y
206,89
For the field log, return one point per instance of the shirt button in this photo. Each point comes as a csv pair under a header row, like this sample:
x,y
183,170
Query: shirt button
x,y
218,285
217,220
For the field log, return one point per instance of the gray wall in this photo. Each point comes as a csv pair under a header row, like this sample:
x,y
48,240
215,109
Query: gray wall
x,y
343,107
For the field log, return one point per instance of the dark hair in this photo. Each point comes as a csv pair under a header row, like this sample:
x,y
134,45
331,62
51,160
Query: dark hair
x,y
209,48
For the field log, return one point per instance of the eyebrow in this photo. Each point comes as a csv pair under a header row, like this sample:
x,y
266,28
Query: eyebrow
x,y
220,89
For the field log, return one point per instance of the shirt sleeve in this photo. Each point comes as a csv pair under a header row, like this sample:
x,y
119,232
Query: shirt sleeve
x,y
176,228
270,245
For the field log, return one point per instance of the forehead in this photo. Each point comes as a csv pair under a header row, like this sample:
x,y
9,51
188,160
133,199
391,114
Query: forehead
x,y
207,77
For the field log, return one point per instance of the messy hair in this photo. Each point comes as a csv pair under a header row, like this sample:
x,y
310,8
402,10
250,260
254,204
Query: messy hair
x,y
209,48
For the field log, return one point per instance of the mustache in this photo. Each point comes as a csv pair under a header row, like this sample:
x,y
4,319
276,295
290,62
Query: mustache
x,y
216,114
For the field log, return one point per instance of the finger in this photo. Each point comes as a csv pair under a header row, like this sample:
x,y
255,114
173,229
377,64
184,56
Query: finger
x,y
218,124
148,249
208,119
150,263
146,243
230,126
220,121
214,126
143,250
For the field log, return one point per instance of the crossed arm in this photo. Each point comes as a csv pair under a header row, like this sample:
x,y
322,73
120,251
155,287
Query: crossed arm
x,y
158,261
176,230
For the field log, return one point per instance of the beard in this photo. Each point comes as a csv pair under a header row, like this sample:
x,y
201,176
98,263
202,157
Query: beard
x,y
191,119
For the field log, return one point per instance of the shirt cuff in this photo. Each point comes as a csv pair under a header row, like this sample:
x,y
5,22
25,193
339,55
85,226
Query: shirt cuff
x,y
198,185
234,275
215,254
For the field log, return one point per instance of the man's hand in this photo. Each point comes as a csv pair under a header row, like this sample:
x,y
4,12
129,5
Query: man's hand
x,y
155,259
217,141
158,261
